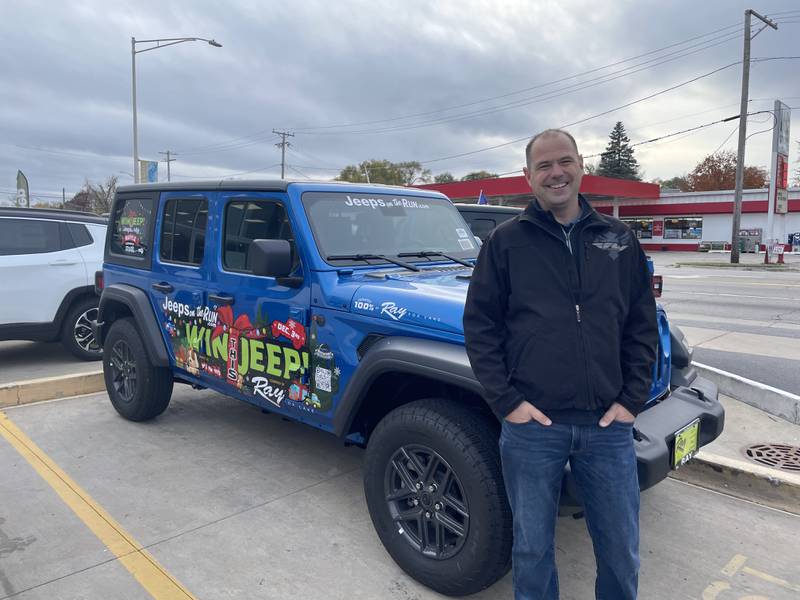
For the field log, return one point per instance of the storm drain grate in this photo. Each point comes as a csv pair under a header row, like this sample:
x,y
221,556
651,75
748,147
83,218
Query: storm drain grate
x,y
778,456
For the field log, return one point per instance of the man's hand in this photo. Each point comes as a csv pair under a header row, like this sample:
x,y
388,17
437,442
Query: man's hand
x,y
527,412
615,412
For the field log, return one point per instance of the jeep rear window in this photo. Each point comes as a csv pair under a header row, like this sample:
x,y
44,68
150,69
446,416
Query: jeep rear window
x,y
130,235
183,230
345,223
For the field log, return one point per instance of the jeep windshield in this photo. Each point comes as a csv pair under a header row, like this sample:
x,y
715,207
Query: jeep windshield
x,y
373,228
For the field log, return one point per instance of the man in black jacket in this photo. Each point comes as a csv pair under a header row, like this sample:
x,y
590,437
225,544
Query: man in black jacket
x,y
560,328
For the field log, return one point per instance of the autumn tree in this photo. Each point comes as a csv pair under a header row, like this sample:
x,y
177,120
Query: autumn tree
x,y
617,160
478,175
717,171
679,182
445,177
386,172
96,198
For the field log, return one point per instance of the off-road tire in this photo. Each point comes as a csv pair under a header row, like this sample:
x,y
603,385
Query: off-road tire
x,y
466,441
138,390
76,333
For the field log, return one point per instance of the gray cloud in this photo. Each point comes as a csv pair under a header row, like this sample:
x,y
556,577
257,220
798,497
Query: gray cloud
x,y
65,78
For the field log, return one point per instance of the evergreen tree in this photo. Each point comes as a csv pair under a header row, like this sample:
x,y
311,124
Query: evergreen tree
x,y
618,160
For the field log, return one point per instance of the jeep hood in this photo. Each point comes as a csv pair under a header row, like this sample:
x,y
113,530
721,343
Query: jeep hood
x,y
435,301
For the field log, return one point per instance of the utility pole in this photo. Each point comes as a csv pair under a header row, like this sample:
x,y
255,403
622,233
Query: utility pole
x,y
168,160
737,198
282,145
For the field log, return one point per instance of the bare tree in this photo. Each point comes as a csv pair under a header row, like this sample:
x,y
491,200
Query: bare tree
x,y
94,198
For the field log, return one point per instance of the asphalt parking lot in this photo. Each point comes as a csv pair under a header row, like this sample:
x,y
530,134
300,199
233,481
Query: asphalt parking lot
x,y
230,503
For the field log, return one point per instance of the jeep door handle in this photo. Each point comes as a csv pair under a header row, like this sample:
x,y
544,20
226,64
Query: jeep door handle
x,y
163,287
221,299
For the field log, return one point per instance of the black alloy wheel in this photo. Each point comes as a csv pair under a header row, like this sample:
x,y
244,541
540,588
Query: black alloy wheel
x,y
123,371
427,501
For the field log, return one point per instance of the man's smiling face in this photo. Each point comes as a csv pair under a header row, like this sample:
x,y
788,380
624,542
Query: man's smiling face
x,y
554,172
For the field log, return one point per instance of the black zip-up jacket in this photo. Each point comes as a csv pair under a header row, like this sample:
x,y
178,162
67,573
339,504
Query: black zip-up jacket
x,y
563,319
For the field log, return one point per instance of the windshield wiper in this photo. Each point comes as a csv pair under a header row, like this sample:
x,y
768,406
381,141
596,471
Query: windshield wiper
x,y
426,253
399,263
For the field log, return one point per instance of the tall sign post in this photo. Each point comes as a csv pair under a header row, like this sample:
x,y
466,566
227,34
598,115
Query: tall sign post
x,y
778,204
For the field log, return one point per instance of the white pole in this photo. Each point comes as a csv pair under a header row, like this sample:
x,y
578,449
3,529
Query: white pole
x,y
135,128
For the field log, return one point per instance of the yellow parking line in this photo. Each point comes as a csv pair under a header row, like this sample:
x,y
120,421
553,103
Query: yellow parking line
x,y
141,564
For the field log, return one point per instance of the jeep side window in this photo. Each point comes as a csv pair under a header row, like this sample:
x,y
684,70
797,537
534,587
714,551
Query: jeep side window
x,y
249,220
183,230
28,236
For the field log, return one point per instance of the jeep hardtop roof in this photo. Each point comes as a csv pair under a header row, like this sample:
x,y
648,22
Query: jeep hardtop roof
x,y
491,208
266,185
56,214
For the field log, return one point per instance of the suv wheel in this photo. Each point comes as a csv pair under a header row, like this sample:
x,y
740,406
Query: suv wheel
x,y
76,335
435,493
138,390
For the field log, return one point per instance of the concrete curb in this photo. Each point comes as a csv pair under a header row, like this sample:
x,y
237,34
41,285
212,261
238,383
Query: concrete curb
x,y
50,388
777,402
743,479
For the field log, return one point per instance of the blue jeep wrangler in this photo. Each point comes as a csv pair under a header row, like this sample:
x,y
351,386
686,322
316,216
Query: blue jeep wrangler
x,y
340,306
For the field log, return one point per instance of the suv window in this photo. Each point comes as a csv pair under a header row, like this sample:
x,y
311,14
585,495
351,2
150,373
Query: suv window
x,y
480,226
248,220
80,234
28,236
132,227
183,230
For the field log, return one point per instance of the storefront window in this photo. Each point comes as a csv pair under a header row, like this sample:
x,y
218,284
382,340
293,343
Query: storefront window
x,y
689,228
643,228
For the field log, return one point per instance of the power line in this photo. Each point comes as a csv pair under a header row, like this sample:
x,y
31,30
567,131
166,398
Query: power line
x,y
521,91
542,97
283,144
589,118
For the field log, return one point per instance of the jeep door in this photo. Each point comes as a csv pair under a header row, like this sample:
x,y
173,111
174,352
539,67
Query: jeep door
x,y
178,275
261,339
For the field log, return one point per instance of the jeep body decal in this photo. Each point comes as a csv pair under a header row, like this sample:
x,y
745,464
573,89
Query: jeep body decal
x,y
268,360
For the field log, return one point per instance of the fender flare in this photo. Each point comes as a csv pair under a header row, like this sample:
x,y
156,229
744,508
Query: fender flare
x,y
442,361
138,304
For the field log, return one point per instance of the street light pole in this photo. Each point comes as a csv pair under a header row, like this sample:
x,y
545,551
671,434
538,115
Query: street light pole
x,y
135,128
158,44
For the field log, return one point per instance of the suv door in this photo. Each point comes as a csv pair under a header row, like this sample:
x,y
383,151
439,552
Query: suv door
x,y
39,266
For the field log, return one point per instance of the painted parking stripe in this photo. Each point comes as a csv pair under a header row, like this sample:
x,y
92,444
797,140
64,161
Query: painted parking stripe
x,y
141,564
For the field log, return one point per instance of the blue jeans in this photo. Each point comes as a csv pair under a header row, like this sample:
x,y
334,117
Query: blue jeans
x,y
603,462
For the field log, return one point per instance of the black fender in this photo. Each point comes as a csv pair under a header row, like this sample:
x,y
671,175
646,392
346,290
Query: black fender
x,y
441,361
138,304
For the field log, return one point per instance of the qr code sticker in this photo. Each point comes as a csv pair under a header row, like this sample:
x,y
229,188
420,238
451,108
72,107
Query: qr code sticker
x,y
322,378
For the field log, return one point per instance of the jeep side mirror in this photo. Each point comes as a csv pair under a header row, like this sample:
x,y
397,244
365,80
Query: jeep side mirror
x,y
270,258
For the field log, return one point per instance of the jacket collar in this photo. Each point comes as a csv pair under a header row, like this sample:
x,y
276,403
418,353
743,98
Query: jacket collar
x,y
534,213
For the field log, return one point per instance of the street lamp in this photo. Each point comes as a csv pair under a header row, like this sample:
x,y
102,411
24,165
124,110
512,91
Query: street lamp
x,y
159,43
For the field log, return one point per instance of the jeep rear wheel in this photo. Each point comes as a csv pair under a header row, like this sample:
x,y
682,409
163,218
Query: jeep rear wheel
x,y
77,335
435,493
138,390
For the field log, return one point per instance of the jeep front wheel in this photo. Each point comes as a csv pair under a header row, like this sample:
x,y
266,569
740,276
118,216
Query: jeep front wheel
x,y
138,390
435,493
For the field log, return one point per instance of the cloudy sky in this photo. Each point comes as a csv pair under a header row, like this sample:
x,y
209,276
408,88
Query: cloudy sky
x,y
353,80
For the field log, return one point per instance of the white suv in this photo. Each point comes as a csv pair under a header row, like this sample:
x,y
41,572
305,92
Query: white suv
x,y
48,260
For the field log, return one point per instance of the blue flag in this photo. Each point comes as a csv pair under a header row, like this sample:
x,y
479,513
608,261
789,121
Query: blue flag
x,y
482,199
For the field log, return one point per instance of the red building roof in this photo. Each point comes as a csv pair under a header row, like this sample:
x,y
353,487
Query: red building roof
x,y
591,185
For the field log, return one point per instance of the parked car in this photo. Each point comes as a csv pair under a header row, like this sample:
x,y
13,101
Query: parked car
x,y
340,306
48,259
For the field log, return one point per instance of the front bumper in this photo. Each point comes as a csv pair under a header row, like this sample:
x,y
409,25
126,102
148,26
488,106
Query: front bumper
x,y
654,433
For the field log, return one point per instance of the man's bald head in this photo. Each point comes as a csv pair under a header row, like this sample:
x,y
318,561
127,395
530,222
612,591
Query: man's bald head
x,y
548,133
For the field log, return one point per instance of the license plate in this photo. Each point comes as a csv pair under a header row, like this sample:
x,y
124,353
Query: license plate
x,y
686,444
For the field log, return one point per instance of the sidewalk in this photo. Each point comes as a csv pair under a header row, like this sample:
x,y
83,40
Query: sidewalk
x,y
724,466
